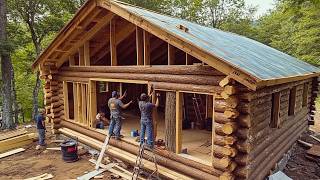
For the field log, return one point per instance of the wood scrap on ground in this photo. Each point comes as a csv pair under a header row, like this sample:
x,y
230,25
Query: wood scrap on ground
x,y
314,151
54,148
315,138
9,153
17,141
41,177
12,134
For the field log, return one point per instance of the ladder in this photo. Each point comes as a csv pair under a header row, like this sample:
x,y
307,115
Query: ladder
x,y
138,166
197,103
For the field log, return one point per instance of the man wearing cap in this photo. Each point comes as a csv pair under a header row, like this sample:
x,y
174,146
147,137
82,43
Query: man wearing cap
x,y
115,105
146,118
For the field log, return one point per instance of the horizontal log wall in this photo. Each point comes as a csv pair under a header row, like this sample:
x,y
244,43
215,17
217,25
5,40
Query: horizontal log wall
x,y
260,146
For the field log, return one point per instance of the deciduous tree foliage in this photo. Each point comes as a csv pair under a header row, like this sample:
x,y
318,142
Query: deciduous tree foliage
x,y
293,27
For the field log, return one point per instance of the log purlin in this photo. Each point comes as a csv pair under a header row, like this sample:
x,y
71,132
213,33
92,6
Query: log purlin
x,y
260,146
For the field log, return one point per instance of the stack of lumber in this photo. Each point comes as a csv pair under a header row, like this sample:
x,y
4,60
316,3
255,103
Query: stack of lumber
x,y
53,93
15,139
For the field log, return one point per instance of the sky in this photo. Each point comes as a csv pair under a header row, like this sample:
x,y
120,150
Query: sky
x,y
263,5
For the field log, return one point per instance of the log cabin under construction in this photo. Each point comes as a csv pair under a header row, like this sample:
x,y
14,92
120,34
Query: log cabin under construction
x,y
230,107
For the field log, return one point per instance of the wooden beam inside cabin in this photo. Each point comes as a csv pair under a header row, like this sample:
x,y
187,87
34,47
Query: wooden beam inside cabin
x,y
188,59
171,54
81,56
75,100
179,97
139,46
93,102
113,43
86,51
146,40
66,99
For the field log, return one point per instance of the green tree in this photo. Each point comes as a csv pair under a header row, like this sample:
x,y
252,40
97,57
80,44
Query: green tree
x,y
293,28
42,18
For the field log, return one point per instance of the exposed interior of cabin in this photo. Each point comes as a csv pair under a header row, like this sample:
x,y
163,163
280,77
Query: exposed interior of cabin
x,y
120,43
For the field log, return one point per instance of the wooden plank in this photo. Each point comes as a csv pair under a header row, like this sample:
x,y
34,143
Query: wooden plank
x,y
83,104
146,46
81,56
65,99
213,136
179,97
11,134
93,101
86,49
314,151
12,152
113,44
90,34
245,78
139,45
75,102
79,100
54,149
188,59
41,177
171,54
15,145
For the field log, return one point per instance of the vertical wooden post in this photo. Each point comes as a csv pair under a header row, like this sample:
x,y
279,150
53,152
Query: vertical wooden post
x,y
213,129
75,100
120,89
93,101
66,100
188,59
113,44
146,40
72,61
81,56
83,103
170,121
171,54
179,97
154,114
86,50
139,45
79,99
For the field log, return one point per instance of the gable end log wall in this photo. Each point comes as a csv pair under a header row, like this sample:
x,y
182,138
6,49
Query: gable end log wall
x,y
260,146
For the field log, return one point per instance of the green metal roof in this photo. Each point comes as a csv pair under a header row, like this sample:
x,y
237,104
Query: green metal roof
x,y
243,53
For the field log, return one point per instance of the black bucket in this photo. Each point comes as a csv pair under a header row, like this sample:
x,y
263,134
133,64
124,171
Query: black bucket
x,y
69,151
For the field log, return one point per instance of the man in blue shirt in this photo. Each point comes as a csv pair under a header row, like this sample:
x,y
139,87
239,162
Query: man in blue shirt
x,y
41,127
115,105
146,108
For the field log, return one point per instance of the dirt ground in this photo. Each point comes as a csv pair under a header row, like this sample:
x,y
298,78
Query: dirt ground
x,y
299,166
32,162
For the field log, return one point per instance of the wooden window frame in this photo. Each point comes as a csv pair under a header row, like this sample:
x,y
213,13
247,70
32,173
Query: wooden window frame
x,y
292,101
275,110
305,94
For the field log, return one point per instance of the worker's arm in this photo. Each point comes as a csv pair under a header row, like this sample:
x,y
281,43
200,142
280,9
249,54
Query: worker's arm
x,y
157,101
123,96
125,106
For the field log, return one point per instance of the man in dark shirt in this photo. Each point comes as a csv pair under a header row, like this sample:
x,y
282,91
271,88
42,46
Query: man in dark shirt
x,y
40,120
115,105
146,108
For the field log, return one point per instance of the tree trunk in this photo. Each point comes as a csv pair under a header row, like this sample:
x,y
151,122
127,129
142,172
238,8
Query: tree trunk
x,y
5,70
15,106
170,121
36,96
37,45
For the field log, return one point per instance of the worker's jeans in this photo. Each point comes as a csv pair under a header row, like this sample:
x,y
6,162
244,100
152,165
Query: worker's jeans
x,y
147,128
115,127
42,136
